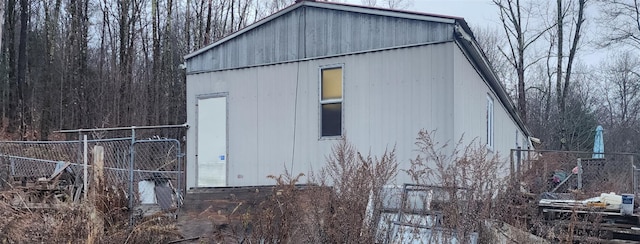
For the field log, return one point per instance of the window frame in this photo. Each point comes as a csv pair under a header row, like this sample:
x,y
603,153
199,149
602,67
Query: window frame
x,y
490,120
322,102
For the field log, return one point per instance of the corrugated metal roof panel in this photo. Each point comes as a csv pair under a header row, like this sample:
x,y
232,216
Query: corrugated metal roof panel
x,y
308,32
329,32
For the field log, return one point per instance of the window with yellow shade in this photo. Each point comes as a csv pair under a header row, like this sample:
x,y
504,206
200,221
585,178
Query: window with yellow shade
x,y
331,102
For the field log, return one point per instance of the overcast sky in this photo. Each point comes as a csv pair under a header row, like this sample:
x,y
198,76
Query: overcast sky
x,y
475,12
484,14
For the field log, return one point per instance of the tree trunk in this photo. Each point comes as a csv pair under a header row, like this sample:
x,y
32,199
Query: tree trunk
x,y
559,91
123,112
152,87
10,93
207,29
51,18
563,86
187,27
515,30
2,11
22,68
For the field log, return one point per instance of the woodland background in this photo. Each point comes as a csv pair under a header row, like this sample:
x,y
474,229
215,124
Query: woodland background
x,y
68,64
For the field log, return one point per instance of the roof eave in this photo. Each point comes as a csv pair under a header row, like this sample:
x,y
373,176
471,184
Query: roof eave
x,y
464,36
383,12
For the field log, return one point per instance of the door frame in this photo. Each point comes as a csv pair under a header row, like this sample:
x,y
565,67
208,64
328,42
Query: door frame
x,y
197,120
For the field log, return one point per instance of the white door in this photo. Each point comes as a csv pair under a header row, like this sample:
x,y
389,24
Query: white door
x,y
212,142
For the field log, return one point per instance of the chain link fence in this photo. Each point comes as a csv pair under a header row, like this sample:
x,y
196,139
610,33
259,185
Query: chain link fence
x,y
566,171
148,172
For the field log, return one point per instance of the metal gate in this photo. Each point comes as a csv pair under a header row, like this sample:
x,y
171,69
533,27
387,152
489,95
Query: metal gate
x,y
136,168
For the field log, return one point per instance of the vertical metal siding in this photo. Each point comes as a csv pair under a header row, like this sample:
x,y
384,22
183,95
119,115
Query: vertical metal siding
x,y
200,84
272,42
470,94
331,32
309,32
389,96
243,108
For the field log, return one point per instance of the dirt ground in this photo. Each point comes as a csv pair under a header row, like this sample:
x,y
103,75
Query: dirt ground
x,y
194,229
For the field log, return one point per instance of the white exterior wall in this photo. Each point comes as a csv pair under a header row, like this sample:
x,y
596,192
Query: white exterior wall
x,y
273,111
388,97
470,103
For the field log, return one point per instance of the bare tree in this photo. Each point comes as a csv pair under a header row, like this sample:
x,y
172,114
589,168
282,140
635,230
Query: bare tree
x,y
52,14
105,62
563,83
515,17
392,4
490,41
620,113
22,67
621,19
9,107
622,89
1,23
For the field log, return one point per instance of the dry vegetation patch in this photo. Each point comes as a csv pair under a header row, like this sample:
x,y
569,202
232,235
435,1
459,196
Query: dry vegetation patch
x,y
69,222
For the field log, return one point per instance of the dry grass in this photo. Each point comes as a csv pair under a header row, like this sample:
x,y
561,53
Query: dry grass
x,y
330,208
62,223
344,202
68,222
469,179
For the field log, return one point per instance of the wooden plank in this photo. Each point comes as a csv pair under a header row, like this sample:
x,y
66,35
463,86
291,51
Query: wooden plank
x,y
547,210
96,223
618,233
59,170
577,206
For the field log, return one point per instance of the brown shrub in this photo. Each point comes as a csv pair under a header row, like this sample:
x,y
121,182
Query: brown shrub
x,y
331,207
68,222
469,179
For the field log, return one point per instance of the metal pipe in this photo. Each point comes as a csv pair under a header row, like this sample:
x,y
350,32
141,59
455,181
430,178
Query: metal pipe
x,y
132,152
86,170
66,142
124,128
518,163
575,152
180,175
512,167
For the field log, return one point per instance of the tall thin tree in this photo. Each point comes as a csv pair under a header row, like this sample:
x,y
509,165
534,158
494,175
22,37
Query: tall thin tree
x,y
519,38
563,75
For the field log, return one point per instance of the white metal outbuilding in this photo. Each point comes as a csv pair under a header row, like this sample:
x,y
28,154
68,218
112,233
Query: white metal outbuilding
x,y
281,92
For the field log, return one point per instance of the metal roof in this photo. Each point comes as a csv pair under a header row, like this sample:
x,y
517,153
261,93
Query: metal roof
x,y
341,7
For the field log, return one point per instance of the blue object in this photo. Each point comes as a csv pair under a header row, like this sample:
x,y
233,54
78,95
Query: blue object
x,y
627,199
598,144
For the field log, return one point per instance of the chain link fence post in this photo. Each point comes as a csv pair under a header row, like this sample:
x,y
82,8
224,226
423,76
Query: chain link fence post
x,y
131,167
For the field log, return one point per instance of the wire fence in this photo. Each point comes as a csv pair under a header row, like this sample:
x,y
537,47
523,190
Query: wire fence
x,y
567,171
149,172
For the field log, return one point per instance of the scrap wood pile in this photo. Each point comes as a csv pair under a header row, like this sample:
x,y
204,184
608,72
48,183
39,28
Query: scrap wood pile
x,y
42,209
605,218
62,186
